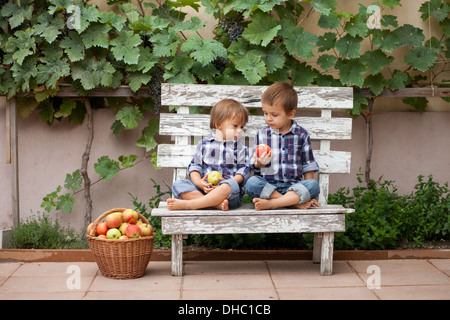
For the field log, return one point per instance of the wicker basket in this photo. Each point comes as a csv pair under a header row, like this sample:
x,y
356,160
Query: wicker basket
x,y
124,258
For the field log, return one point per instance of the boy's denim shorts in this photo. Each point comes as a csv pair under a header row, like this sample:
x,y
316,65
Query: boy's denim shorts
x,y
186,185
258,187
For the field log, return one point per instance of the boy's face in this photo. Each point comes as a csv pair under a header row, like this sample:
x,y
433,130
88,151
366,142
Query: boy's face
x,y
230,129
277,118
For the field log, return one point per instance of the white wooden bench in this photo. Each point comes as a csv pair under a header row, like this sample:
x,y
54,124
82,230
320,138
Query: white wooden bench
x,y
182,126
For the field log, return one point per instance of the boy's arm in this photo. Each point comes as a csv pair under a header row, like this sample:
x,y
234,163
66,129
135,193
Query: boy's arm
x,y
309,175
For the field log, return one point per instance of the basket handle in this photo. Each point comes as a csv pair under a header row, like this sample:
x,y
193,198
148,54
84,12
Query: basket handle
x,y
104,214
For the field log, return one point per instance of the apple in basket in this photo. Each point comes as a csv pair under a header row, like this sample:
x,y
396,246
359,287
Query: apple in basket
x,y
102,228
130,216
113,233
146,229
114,220
123,228
133,231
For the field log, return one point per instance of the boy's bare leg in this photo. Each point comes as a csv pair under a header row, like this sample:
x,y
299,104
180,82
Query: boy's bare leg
x,y
193,200
289,199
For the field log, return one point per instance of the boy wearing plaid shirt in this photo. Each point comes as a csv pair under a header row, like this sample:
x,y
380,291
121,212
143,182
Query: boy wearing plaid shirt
x,y
285,176
220,151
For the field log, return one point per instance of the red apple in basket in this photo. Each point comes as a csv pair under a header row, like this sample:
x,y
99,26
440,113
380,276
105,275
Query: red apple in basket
x,y
102,236
146,229
123,228
133,231
130,216
113,220
102,228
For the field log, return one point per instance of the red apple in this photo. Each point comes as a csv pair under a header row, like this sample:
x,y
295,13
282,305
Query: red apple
x,y
130,216
102,228
133,231
113,233
260,149
113,220
146,229
123,237
102,236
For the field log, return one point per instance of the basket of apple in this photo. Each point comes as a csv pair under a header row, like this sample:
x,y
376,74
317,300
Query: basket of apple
x,y
122,242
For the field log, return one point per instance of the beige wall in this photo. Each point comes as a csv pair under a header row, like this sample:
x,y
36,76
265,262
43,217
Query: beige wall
x,y
406,144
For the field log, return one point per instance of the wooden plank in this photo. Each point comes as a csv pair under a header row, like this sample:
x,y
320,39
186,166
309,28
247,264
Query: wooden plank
x,y
227,224
15,162
326,257
177,255
179,156
198,125
248,209
250,96
407,92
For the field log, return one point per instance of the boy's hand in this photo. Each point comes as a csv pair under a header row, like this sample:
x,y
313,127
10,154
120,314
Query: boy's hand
x,y
263,160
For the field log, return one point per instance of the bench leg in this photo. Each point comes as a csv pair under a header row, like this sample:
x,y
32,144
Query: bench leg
x,y
326,260
177,255
317,247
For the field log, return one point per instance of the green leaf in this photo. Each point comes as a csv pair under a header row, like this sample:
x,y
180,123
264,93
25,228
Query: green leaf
x,y
437,8
203,50
252,67
420,103
303,75
65,108
330,21
24,73
48,27
147,140
128,116
324,6
96,35
53,67
73,46
177,71
165,43
385,39
193,25
272,56
326,61
262,30
421,58
184,3
349,46
88,14
130,11
92,73
115,20
127,162
357,25
391,3
21,45
298,42
124,47
48,202
376,83
351,72
409,35
327,41
106,168
65,203
73,181
376,60
17,14
137,79
399,80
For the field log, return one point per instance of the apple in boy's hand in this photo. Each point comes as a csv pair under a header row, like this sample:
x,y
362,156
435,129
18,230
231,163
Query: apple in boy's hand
x,y
261,148
214,177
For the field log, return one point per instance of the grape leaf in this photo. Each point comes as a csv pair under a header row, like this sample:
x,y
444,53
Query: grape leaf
x,y
326,61
92,73
165,43
303,75
106,168
252,67
96,35
65,203
24,73
17,14
351,72
177,71
203,50
421,58
124,47
48,27
193,25
262,29
147,140
330,21
391,3
437,8
419,103
137,79
73,46
327,41
73,181
399,80
349,46
298,42
65,108
409,35
52,67
21,45
127,162
376,60
324,6
376,83
128,116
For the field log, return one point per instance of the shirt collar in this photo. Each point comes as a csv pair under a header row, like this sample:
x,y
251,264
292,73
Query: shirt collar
x,y
294,128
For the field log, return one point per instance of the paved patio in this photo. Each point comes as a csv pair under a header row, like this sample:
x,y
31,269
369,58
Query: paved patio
x,y
232,280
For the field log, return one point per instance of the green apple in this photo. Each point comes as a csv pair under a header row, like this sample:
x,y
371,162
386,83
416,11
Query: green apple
x,y
113,233
214,177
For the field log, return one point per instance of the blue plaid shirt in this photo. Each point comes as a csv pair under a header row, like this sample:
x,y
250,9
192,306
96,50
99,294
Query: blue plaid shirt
x,y
292,155
228,157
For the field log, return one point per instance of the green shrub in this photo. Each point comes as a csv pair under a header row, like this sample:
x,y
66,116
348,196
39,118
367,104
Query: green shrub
x,y
39,232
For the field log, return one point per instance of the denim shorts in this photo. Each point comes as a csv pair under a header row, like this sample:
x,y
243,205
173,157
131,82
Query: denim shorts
x,y
258,187
186,185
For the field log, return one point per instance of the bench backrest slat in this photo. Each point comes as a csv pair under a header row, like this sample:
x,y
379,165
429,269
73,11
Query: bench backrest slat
x,y
183,126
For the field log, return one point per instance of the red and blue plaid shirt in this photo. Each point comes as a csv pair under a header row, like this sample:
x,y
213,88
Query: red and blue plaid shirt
x,y
292,155
228,157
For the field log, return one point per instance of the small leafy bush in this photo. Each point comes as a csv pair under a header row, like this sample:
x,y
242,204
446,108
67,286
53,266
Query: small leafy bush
x,y
40,232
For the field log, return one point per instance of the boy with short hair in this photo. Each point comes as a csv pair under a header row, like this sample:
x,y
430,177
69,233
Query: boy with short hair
x,y
285,176
220,151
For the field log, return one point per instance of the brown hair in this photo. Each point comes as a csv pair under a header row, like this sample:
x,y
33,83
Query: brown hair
x,y
281,93
227,109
